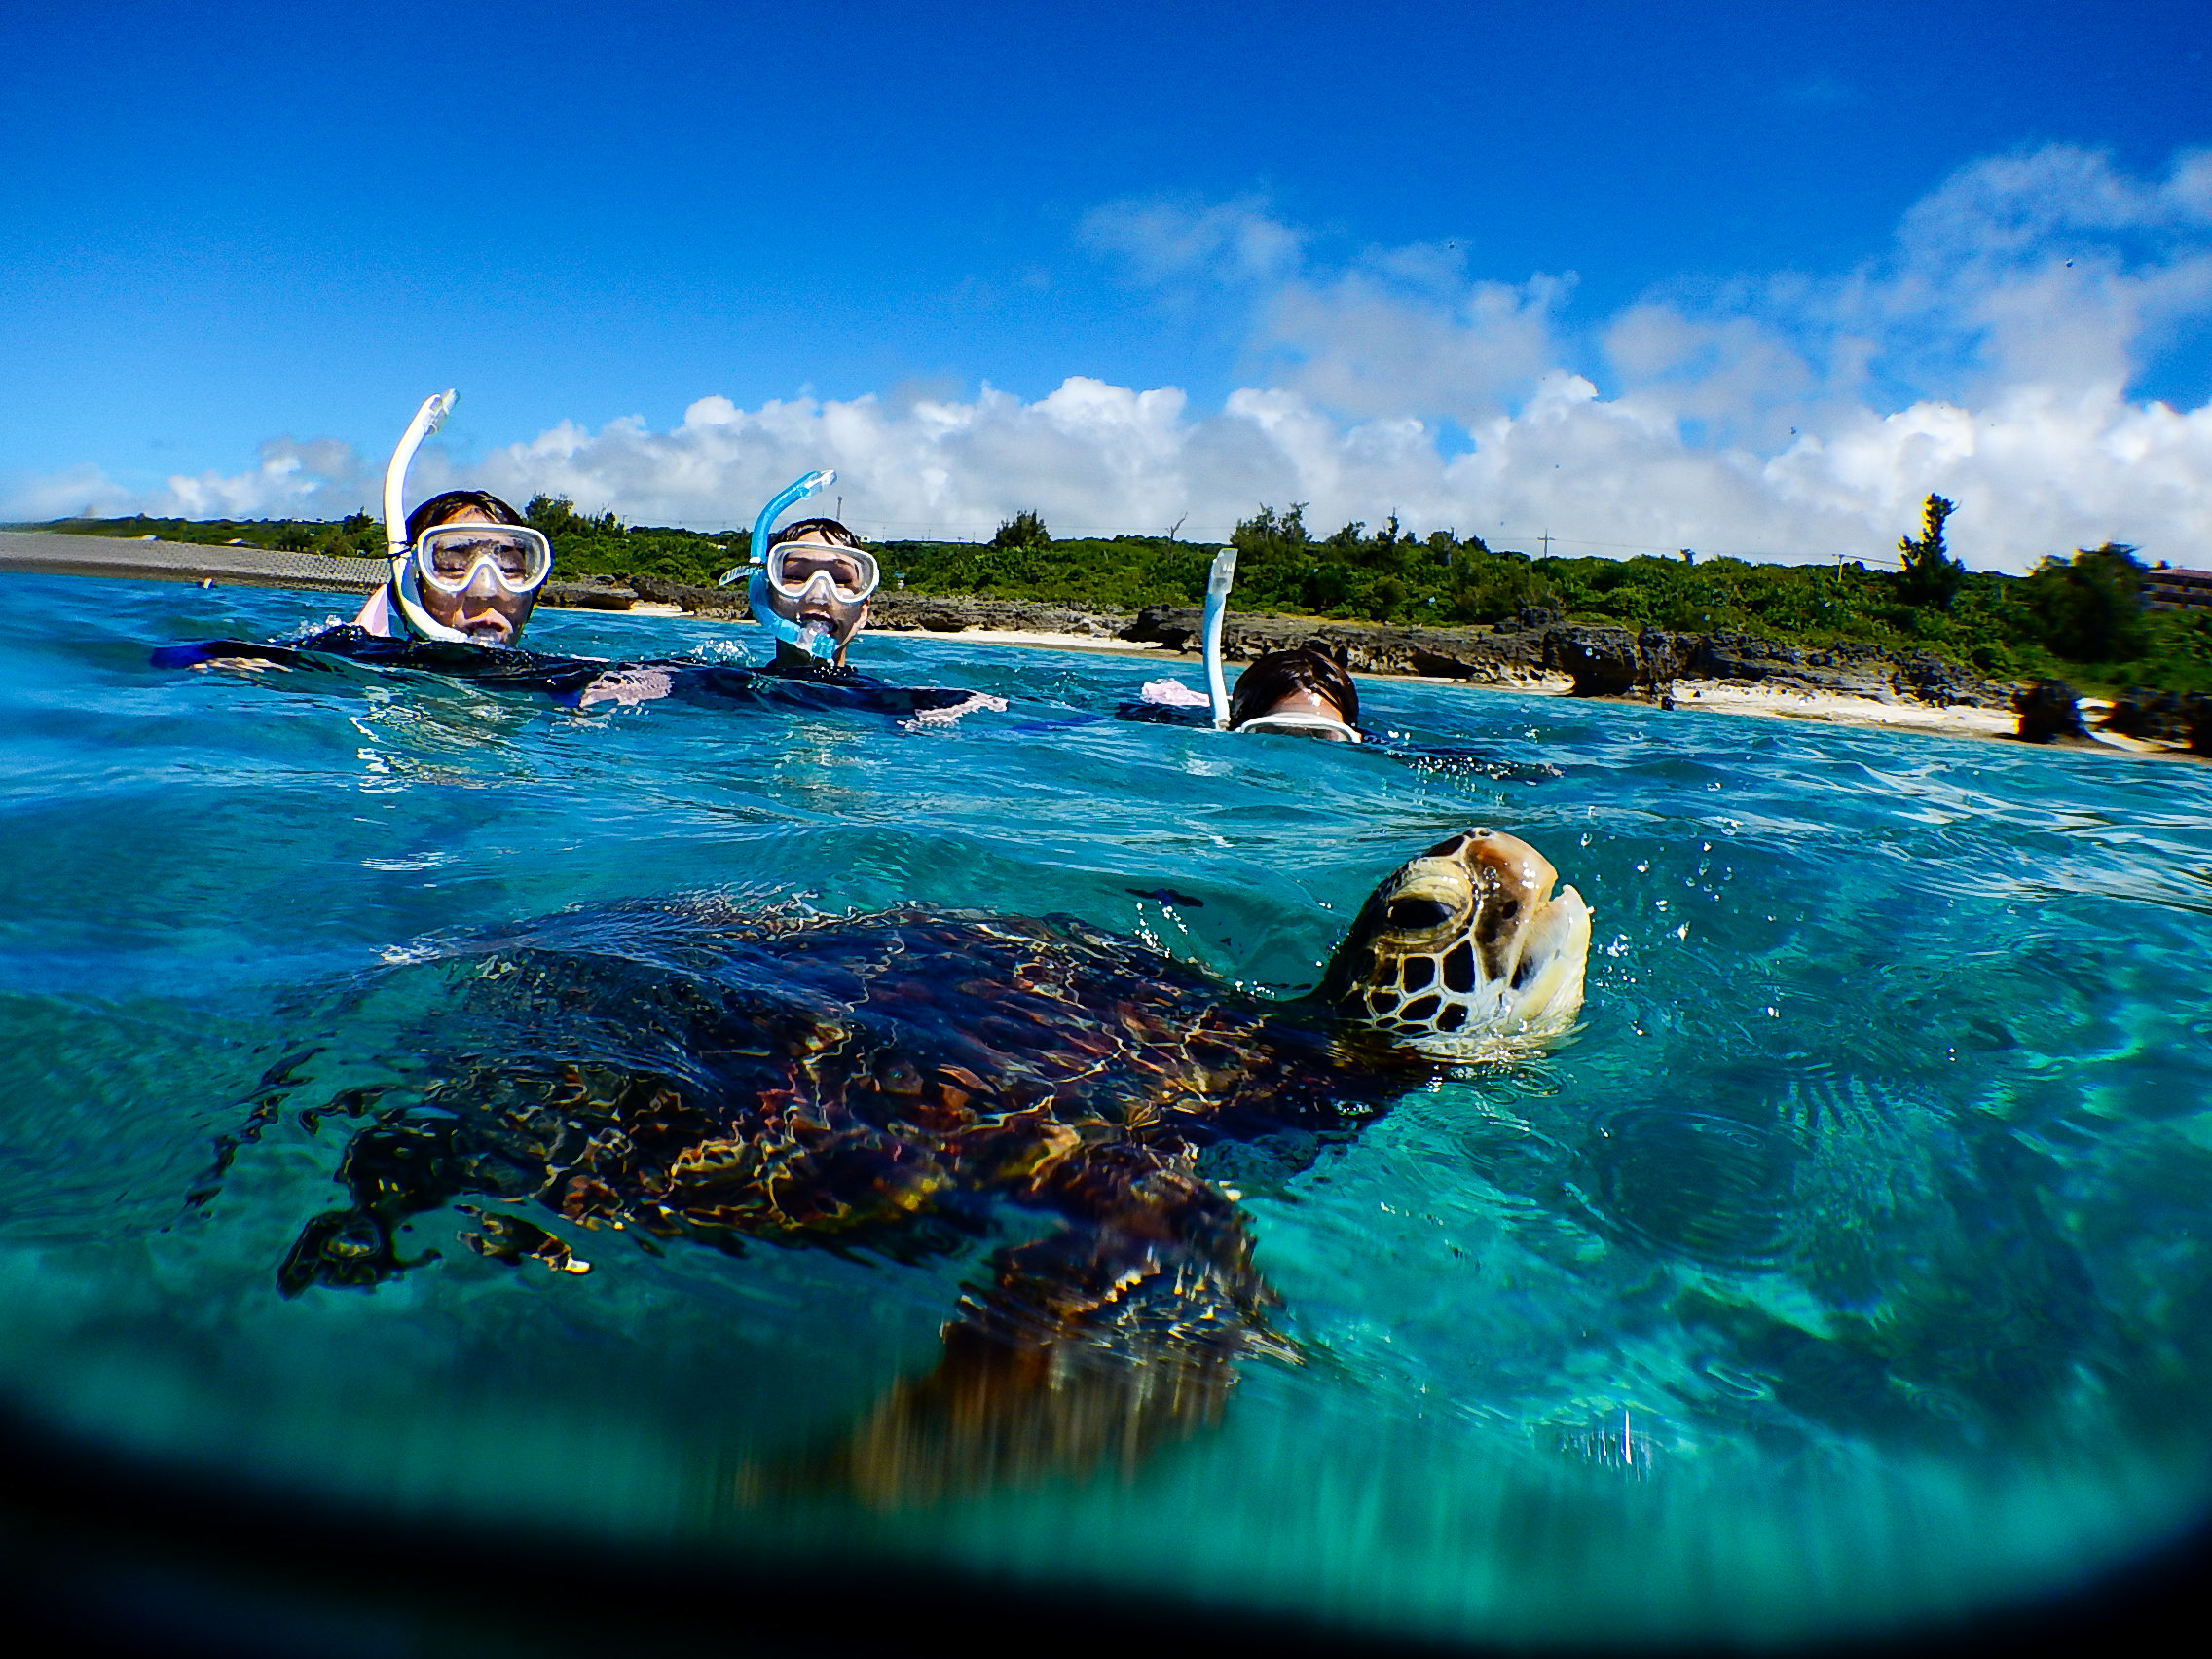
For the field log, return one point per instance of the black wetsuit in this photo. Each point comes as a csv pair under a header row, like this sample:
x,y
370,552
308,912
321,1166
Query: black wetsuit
x,y
566,678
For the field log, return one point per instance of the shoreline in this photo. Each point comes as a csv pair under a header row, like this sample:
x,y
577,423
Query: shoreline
x,y
1602,663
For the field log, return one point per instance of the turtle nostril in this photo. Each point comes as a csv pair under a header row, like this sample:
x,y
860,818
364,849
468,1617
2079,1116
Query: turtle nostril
x,y
1414,914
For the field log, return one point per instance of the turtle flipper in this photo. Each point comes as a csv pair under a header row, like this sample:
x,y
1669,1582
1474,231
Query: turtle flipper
x,y
1090,1348
488,1132
391,1169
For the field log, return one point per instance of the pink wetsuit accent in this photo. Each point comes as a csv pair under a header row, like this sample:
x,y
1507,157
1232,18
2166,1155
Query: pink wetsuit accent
x,y
376,616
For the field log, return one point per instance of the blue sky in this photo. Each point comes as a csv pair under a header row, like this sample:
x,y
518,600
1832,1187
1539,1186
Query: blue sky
x,y
1754,224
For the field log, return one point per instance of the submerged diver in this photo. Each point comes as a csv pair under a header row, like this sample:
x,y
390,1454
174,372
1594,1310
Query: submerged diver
x,y
1307,689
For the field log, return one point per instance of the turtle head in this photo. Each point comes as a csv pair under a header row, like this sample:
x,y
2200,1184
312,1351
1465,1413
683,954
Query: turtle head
x,y
1463,951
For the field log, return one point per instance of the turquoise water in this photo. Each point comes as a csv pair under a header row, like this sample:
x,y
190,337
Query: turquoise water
x,y
1850,1267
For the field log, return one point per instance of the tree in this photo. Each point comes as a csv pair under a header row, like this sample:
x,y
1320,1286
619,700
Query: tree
x,y
1266,531
2089,608
1930,576
1023,530
556,515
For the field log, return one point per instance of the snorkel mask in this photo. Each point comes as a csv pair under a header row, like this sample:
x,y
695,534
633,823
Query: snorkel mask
x,y
1302,723
795,570
822,570
451,557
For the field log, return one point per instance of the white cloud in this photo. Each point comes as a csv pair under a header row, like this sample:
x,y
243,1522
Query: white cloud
x,y
1228,242
82,492
1987,356
320,478
294,480
1370,343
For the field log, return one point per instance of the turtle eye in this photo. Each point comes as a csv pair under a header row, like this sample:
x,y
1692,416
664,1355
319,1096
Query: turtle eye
x,y
1415,915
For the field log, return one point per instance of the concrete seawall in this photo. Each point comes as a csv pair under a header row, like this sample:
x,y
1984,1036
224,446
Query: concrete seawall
x,y
43,553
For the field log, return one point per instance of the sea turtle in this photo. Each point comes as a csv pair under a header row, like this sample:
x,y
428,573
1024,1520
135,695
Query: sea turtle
x,y
692,1069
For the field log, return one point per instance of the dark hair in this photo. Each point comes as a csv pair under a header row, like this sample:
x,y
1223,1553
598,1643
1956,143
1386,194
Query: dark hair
x,y
1275,674
439,508
829,529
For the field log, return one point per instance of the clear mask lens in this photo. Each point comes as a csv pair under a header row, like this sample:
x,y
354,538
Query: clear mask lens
x,y
453,557
1293,723
851,574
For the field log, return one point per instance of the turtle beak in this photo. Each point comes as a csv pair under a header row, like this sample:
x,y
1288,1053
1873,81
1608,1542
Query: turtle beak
x,y
1514,882
1465,946
1532,943
1544,959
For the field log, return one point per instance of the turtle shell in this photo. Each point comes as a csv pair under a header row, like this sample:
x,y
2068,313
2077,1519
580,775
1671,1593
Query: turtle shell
x,y
693,1069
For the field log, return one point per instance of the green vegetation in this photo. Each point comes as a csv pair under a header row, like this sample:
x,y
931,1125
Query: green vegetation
x,y
1124,573
2079,617
1023,530
587,546
1928,577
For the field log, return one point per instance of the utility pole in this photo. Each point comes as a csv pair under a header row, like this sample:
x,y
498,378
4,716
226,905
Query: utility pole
x,y
1546,540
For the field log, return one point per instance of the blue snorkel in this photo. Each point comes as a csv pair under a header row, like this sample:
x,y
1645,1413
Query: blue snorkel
x,y
1219,580
813,639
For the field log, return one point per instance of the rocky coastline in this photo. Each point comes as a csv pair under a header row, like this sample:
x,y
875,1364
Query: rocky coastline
x,y
1536,647
1537,651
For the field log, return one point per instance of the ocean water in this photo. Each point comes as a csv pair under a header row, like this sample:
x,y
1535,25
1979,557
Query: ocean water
x,y
1850,1267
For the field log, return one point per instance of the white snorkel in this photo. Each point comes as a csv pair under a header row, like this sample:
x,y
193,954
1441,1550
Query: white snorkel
x,y
1219,580
813,639
406,591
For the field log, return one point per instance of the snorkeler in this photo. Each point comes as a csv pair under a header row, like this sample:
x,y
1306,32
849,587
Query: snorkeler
x,y
472,574
465,567
467,573
1306,689
809,584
